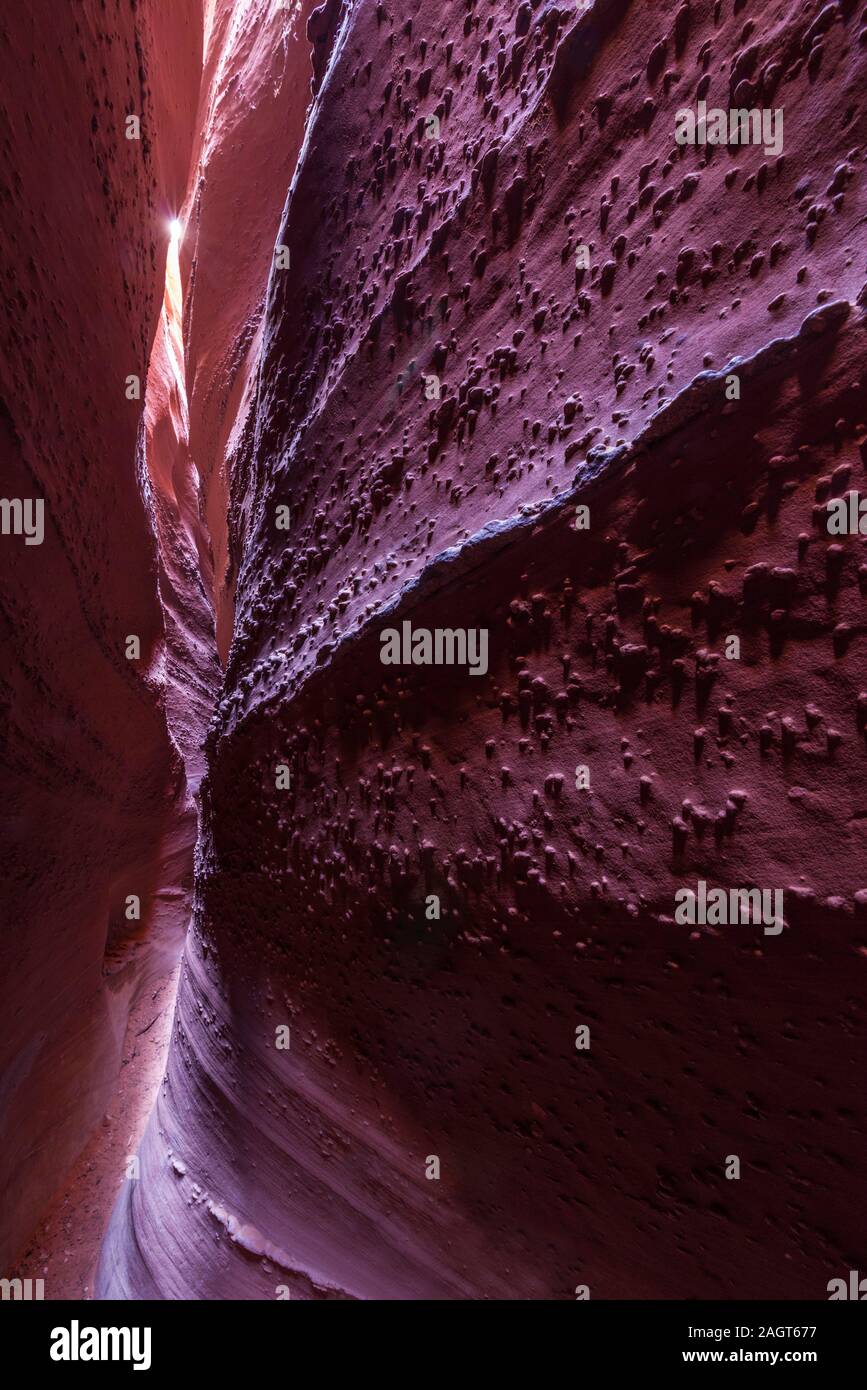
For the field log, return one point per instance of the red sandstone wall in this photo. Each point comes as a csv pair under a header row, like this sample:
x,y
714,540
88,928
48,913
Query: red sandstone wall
x,y
93,789
454,1037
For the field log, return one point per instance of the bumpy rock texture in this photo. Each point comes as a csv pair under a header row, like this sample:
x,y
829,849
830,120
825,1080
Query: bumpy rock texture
x,y
455,158
95,802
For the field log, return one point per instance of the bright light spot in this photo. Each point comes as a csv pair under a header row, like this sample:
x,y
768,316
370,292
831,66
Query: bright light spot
x,y
175,229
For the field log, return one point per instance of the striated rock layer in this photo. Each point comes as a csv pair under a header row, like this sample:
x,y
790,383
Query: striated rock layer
x,y
437,900
95,806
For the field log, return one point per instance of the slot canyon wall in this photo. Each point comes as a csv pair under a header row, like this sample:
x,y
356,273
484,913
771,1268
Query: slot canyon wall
x,y
438,1033
415,884
95,803
132,535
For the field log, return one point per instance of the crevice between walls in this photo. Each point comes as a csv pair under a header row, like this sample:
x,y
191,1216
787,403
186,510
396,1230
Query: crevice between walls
x,y
253,105
253,92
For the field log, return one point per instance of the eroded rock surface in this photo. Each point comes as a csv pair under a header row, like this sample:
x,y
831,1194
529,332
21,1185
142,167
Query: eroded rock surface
x,y
439,386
